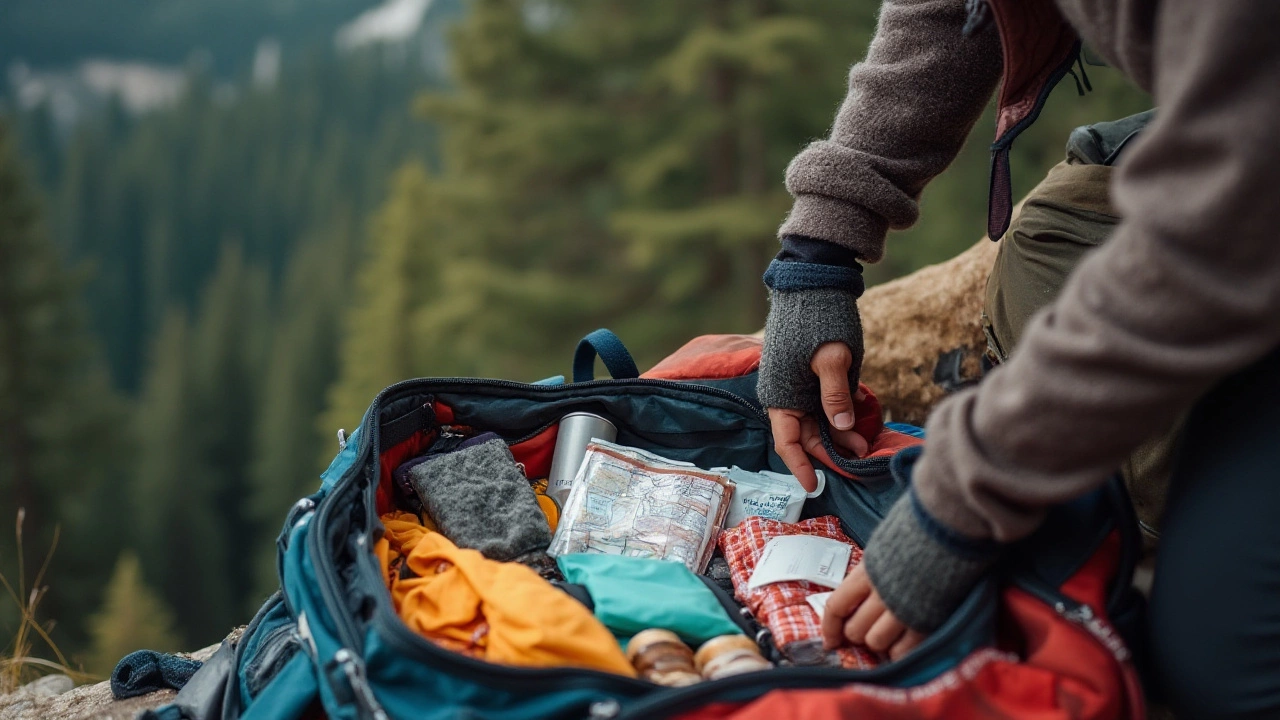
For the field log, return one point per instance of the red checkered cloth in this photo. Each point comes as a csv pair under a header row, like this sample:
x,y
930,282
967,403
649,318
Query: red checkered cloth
x,y
782,606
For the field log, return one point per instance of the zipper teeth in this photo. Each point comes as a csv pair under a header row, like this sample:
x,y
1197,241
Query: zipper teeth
x,y
430,654
1071,611
531,435
779,679
327,582
1055,77
924,656
322,563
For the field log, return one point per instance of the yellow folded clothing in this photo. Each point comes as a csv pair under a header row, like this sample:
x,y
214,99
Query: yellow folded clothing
x,y
500,612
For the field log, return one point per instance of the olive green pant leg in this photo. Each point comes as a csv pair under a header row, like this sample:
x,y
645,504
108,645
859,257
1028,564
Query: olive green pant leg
x,y
1063,219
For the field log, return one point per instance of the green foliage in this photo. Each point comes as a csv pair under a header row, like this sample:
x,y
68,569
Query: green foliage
x,y
132,618
60,423
151,200
375,343
604,162
591,163
196,418
287,449
221,235
60,32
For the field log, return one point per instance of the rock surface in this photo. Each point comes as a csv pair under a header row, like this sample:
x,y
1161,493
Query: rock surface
x,y
923,332
53,698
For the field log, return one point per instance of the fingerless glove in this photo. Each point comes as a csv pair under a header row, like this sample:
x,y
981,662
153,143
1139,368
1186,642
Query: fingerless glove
x,y
800,321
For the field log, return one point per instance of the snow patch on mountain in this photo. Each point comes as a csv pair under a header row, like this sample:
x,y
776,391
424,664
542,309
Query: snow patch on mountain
x,y
393,21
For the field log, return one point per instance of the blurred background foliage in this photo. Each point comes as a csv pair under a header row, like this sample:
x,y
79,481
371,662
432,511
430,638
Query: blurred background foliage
x,y
224,226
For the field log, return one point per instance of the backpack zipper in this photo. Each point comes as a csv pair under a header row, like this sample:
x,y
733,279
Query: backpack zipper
x,y
353,668
684,699
326,576
506,677
1079,614
422,650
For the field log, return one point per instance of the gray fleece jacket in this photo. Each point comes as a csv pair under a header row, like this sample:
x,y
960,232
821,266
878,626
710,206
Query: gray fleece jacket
x,y
1186,292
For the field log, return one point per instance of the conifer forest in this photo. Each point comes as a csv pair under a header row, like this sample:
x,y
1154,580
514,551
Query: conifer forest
x,y
225,225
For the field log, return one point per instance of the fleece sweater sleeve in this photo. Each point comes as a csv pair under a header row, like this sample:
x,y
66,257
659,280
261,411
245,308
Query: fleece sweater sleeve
x,y
911,104
1186,292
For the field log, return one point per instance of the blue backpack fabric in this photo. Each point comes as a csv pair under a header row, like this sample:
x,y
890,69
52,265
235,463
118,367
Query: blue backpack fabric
x,y
332,640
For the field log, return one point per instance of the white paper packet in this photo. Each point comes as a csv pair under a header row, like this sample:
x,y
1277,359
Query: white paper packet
x,y
768,494
821,561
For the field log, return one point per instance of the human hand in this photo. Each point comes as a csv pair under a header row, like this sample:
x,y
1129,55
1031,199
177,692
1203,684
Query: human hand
x,y
795,432
855,614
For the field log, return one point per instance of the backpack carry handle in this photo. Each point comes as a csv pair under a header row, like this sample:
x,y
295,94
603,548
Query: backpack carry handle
x,y
612,352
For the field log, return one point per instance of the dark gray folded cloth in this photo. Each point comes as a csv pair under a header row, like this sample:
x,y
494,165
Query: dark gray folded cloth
x,y
479,499
146,671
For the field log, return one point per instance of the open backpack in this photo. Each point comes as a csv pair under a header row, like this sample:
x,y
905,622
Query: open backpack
x,y
1044,636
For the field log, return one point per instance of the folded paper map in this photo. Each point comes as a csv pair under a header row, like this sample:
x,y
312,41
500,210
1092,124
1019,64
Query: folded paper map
x,y
626,501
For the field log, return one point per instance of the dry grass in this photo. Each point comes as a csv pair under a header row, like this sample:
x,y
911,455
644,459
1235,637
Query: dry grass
x,y
17,664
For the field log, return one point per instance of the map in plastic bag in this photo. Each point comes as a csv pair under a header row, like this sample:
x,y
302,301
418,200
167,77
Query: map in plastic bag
x,y
626,501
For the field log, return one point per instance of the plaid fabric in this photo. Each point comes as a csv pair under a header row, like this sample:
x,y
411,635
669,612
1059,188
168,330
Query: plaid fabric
x,y
782,606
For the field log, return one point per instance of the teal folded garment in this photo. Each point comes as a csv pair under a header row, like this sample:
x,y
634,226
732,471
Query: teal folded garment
x,y
633,594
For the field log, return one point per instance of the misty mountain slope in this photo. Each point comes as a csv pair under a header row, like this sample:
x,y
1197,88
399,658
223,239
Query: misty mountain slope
x,y
59,33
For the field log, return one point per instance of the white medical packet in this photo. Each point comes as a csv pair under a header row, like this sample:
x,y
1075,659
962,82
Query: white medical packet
x,y
768,494
819,560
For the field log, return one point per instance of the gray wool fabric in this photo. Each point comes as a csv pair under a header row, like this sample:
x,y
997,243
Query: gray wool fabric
x,y
799,322
922,580
910,106
479,499
1184,293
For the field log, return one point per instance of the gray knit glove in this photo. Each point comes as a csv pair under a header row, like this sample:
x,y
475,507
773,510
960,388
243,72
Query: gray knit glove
x,y
923,569
799,322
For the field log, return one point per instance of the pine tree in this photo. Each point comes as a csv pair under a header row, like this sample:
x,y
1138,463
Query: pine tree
x,y
604,162
231,342
703,188
195,539
181,543
375,346
61,440
151,199
132,618
288,451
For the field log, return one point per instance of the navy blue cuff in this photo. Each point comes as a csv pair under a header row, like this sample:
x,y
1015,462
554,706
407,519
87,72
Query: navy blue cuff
x,y
958,544
800,248
902,466
791,276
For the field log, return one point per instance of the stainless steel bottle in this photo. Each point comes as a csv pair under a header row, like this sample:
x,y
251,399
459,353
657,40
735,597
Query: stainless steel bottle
x,y
576,431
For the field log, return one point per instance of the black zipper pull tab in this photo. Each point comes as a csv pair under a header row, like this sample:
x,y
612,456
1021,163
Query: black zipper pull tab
x,y
353,668
1084,74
